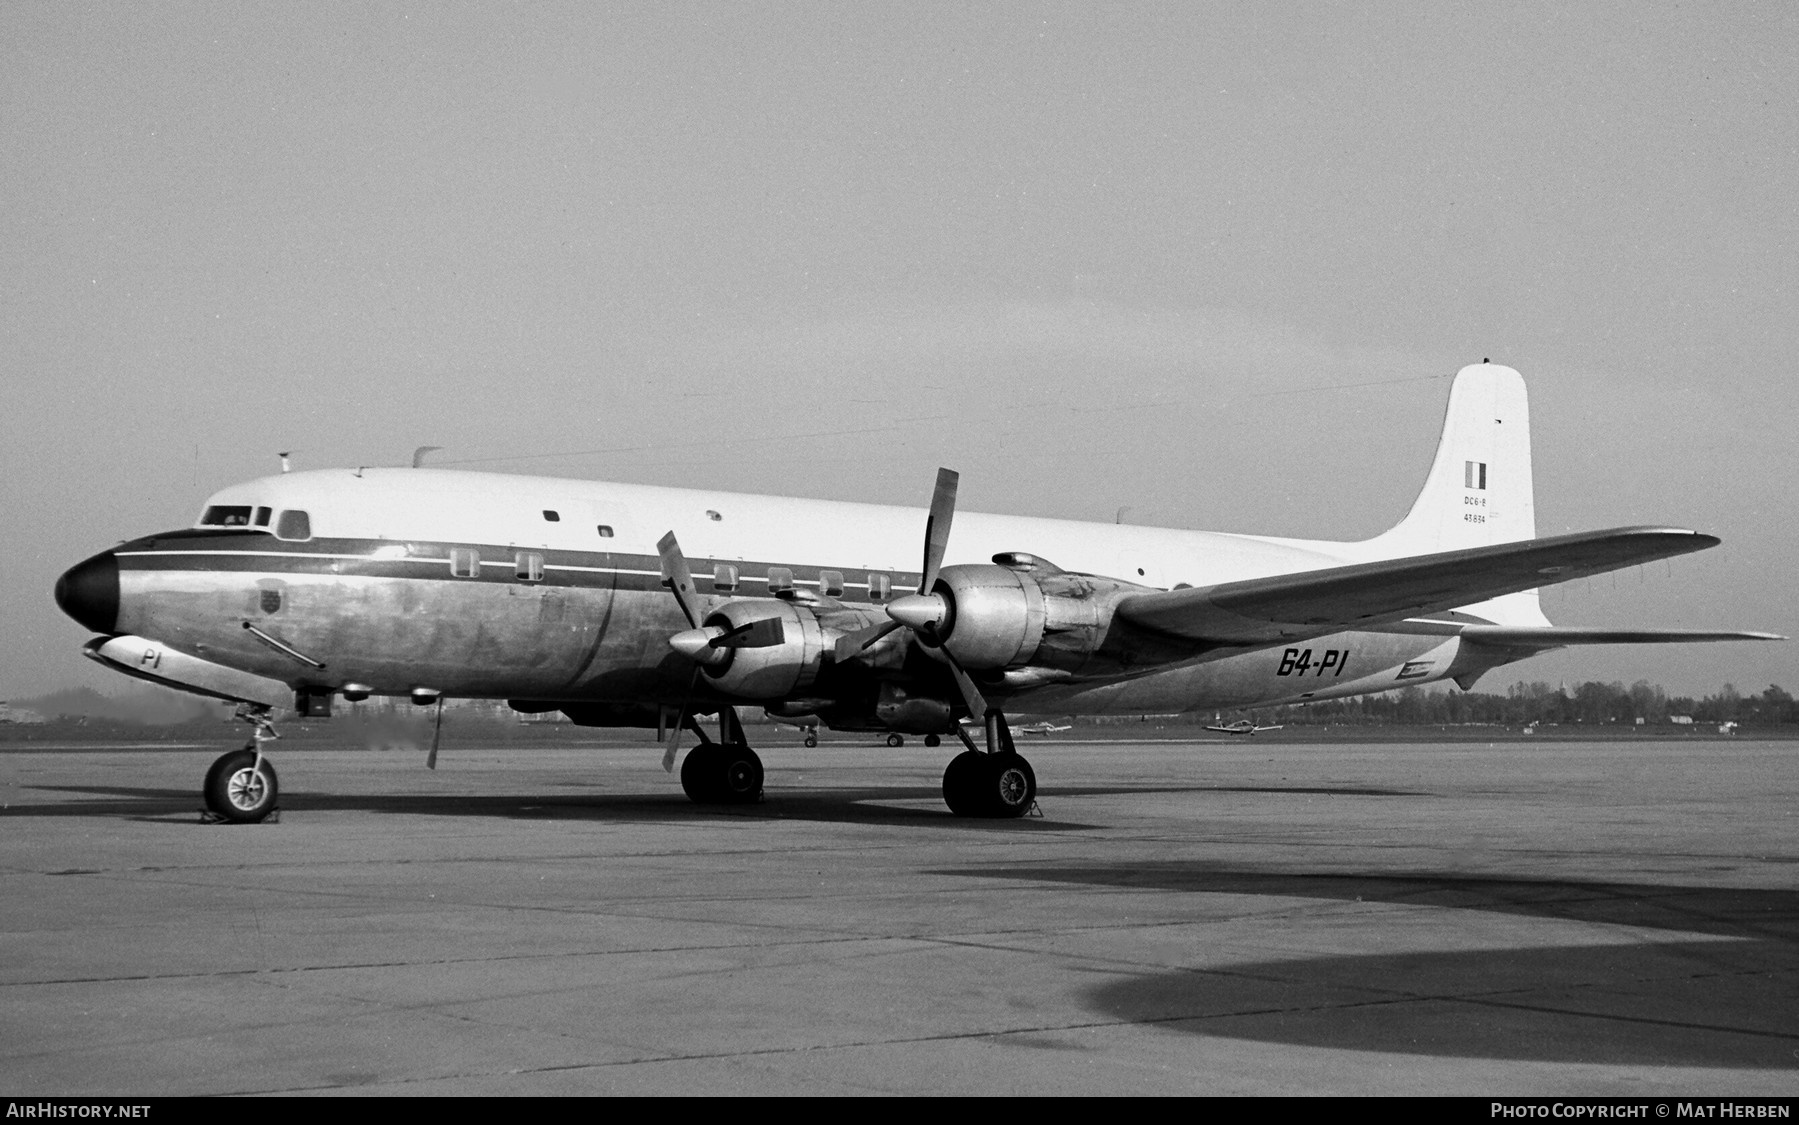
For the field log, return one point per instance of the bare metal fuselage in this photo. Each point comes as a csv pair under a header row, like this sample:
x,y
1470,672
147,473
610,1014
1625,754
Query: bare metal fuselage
x,y
388,615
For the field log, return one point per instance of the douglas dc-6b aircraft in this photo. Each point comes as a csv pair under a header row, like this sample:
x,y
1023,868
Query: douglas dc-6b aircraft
x,y
628,605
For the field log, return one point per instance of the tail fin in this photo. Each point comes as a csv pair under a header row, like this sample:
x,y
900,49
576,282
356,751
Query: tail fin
x,y
1479,490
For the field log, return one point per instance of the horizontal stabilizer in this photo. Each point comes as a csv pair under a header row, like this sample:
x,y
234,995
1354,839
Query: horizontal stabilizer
x,y
1316,602
1558,636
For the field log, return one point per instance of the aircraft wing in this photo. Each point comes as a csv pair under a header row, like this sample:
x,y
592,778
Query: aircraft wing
x,y
1315,602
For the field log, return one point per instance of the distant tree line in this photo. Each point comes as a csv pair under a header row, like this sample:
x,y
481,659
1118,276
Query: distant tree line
x,y
1539,702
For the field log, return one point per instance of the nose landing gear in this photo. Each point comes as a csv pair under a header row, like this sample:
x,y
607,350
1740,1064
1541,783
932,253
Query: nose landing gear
x,y
241,786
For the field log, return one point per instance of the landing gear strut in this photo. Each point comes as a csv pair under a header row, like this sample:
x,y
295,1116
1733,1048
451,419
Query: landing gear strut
x,y
241,787
727,772
998,783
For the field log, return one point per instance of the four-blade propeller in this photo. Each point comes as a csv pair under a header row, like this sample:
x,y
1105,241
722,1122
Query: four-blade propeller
x,y
925,611
709,645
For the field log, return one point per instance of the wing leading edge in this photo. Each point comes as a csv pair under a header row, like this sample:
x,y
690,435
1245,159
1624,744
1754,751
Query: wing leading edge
x,y
1316,602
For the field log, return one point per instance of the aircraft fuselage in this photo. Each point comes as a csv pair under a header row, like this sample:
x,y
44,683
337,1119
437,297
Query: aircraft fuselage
x,y
463,584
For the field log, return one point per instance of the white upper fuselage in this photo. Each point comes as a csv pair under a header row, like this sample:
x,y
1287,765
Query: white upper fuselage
x,y
508,511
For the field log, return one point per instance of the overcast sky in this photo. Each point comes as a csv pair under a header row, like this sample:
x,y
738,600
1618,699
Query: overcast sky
x,y
1211,262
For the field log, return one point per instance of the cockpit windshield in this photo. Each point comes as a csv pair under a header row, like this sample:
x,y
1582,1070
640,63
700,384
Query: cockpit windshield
x,y
291,524
226,515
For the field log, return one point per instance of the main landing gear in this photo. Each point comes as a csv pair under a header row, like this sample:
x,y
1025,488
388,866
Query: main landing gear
x,y
998,783
726,772
241,787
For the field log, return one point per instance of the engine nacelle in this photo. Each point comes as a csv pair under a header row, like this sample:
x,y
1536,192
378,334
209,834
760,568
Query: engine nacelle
x,y
772,671
1032,613
993,616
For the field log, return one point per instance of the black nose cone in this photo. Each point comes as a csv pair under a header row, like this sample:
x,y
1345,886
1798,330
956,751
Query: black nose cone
x,y
89,592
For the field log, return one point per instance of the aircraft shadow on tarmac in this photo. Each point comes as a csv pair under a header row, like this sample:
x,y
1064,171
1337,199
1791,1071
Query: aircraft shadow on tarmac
x,y
876,805
1681,1002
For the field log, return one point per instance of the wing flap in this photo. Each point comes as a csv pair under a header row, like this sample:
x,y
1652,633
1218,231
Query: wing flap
x,y
1315,602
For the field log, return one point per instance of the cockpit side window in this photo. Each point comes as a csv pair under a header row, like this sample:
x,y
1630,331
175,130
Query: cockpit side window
x,y
293,524
226,515
262,517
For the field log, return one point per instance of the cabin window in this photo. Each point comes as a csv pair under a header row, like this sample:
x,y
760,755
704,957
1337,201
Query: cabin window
x,y
605,531
465,562
262,517
880,587
830,583
780,580
293,524
529,566
550,515
227,515
724,578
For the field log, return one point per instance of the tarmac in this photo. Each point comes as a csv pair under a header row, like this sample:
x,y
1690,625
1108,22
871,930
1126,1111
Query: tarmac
x,y
1248,916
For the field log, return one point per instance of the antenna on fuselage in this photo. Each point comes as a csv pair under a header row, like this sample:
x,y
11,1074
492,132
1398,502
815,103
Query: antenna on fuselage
x,y
418,455
284,455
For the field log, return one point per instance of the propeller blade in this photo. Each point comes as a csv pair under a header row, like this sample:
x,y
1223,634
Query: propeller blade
x,y
851,645
437,730
936,528
971,695
679,578
674,736
765,632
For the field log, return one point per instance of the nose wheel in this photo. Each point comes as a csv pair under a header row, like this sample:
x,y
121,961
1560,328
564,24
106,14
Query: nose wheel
x,y
241,787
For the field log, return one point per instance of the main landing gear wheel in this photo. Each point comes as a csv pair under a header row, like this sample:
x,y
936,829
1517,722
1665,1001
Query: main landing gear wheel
x,y
989,785
722,774
239,790
932,741
895,740
811,741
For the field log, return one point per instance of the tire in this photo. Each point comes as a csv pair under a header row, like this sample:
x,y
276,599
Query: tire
x,y
932,741
811,741
714,774
961,782
700,772
999,786
237,790
895,740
